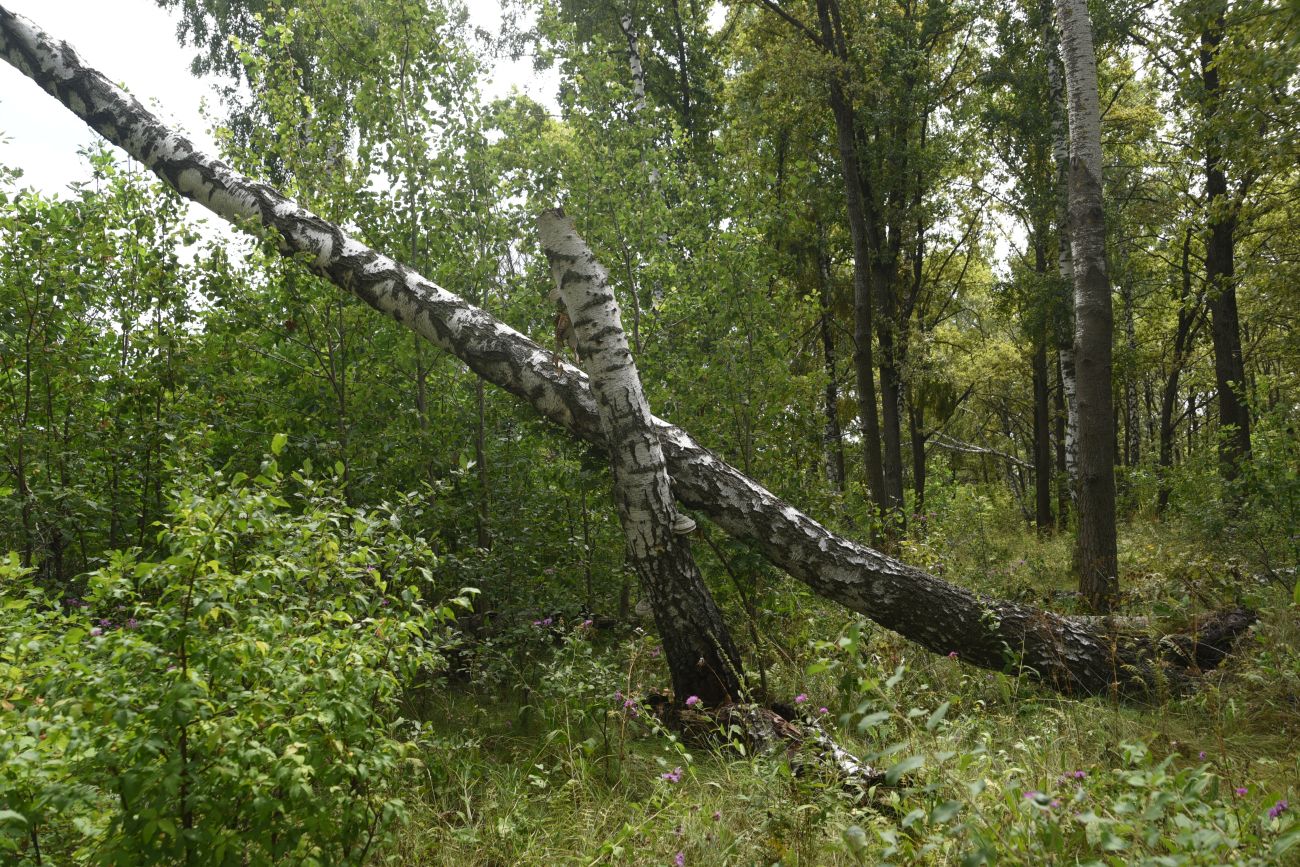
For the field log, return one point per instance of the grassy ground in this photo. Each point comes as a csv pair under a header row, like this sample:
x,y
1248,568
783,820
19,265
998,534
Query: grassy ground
x,y
996,769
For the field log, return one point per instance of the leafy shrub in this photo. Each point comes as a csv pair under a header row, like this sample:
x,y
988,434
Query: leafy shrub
x,y
234,698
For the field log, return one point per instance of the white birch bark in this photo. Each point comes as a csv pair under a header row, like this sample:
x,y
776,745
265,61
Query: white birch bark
x,y
1064,260
701,656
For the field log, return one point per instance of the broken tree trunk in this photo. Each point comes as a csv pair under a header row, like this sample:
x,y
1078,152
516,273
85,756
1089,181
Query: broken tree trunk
x,y
701,656
1069,656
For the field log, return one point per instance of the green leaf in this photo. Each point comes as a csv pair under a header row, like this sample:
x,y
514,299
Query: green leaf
x,y
937,717
9,817
872,719
278,443
945,812
895,773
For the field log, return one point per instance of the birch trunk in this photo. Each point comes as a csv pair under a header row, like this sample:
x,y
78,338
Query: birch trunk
x,y
1066,654
1096,558
701,656
1064,261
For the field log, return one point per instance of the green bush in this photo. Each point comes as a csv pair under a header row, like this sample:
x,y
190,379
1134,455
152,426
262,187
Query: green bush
x,y
232,699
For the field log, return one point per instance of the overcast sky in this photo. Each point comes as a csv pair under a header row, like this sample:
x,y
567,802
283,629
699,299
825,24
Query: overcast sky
x,y
133,42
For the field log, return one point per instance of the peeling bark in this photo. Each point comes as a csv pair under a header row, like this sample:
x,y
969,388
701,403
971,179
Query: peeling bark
x,y
1067,655
700,653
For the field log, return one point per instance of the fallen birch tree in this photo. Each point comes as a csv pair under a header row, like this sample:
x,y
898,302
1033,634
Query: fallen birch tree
x,y
1071,656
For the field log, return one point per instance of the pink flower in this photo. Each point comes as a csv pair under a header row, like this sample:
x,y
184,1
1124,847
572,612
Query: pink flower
x,y
952,654
96,631
1241,791
673,776
717,815
1278,809
823,710
1080,775
800,698
680,859
692,701
586,624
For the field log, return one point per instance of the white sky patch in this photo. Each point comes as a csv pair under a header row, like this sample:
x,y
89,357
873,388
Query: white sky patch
x,y
133,43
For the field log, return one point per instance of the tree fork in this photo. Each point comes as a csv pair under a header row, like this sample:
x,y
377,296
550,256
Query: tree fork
x,y
1070,656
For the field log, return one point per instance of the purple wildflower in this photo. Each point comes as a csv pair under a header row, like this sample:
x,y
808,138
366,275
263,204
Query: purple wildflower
x,y
1201,755
680,859
952,654
618,695
823,710
1080,775
96,631
1030,794
655,651
673,776
717,815
1278,809
105,623
383,601
692,701
132,623
1241,791
586,624
800,698
1054,803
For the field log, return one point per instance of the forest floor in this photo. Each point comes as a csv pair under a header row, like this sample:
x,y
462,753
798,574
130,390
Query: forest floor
x,y
991,768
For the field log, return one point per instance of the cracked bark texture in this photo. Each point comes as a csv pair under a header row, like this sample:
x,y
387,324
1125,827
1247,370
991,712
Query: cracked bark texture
x,y
1096,559
1070,656
701,656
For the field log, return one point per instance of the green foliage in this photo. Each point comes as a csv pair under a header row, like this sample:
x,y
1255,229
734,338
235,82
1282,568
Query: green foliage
x,y
235,696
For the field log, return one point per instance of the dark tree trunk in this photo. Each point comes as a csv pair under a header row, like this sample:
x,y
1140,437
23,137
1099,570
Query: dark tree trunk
x,y
1062,472
1069,655
916,427
1221,289
832,436
862,300
1042,409
1042,441
1184,335
884,278
697,645
1095,551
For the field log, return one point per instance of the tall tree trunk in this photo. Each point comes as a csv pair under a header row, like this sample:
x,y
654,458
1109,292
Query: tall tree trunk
x,y
1069,435
916,428
884,276
1042,440
832,437
1069,654
1184,335
1132,416
862,300
1096,557
1042,410
1062,472
1221,289
700,653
